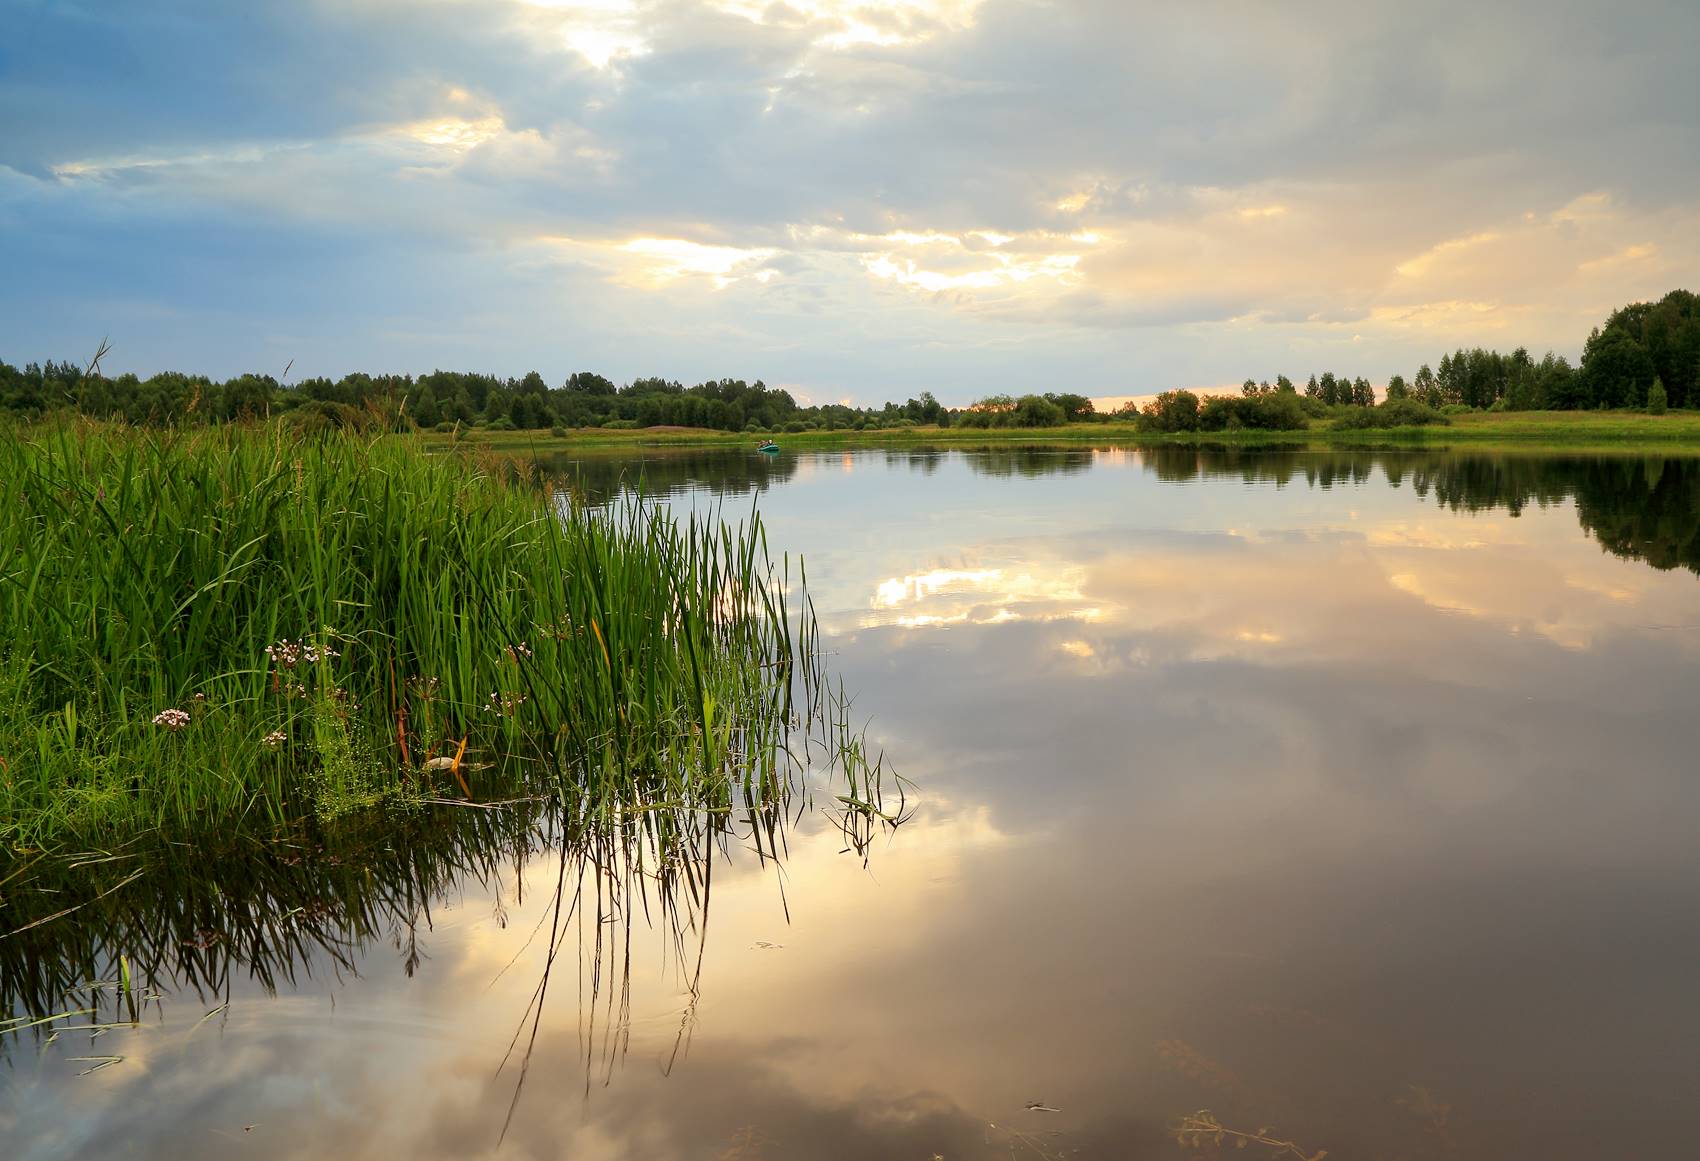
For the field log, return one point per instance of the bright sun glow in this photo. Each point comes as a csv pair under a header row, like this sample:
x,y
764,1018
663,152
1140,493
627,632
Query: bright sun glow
x,y
601,31
455,133
673,258
850,23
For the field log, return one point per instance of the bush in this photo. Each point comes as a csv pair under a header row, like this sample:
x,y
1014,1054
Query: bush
x,y
446,426
501,424
1170,411
321,415
1037,411
1274,412
621,425
1393,413
1006,411
794,426
558,432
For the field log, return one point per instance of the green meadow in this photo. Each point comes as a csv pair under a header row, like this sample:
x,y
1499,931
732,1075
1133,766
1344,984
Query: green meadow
x,y
1674,430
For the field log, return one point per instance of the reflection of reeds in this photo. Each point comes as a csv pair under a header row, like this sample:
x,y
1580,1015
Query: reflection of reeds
x,y
1202,1129
1190,1062
191,918
129,930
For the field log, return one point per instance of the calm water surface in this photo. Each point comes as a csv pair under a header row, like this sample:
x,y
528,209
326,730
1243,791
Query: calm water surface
x,y
1348,796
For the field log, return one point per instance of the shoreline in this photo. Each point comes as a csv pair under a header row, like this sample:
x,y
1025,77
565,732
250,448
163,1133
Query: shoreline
x,y
1677,432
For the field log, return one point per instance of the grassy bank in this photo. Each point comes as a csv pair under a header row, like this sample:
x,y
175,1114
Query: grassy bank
x,y
1533,429
238,624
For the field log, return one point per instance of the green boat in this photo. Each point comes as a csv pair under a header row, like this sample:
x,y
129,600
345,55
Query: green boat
x,y
769,447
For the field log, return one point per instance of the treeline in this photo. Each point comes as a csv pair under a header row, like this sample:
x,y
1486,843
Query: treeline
x,y
1646,356
442,399
1279,406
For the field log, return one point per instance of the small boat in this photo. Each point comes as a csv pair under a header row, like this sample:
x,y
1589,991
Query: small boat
x,y
768,446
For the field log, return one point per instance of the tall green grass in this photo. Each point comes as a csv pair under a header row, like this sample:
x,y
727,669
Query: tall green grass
x,y
408,602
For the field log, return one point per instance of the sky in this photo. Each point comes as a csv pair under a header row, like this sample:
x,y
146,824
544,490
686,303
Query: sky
x,y
854,199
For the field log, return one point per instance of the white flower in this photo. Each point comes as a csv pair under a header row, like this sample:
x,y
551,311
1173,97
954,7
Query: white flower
x,y
274,739
287,654
500,703
171,719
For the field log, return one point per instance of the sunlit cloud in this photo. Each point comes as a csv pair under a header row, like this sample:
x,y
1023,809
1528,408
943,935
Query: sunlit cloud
x,y
891,206
917,587
1621,257
455,133
1447,316
1420,265
603,32
672,258
654,263
1036,590
907,272
843,24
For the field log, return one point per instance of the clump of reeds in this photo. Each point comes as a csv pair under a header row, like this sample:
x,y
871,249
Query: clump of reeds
x,y
240,623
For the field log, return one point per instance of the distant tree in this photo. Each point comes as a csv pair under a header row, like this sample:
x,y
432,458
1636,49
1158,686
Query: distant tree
x,y
1669,331
1448,377
424,409
1038,411
590,383
1656,400
1075,408
1284,385
1425,387
1171,411
1617,369
1397,389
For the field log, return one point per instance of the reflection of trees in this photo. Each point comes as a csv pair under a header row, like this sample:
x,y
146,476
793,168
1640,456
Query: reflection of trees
x,y
1027,461
662,472
1661,528
925,460
1638,508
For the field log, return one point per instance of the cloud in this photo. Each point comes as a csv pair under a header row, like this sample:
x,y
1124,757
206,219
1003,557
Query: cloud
x,y
903,194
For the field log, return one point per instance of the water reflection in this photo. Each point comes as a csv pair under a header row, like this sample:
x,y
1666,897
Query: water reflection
x,y
1347,795
191,919
1001,460
599,476
1641,507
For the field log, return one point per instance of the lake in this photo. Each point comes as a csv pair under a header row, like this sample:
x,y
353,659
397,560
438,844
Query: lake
x,y
1347,796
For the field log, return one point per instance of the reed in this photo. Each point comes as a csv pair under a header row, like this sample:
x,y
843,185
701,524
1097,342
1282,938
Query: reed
x,y
246,624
